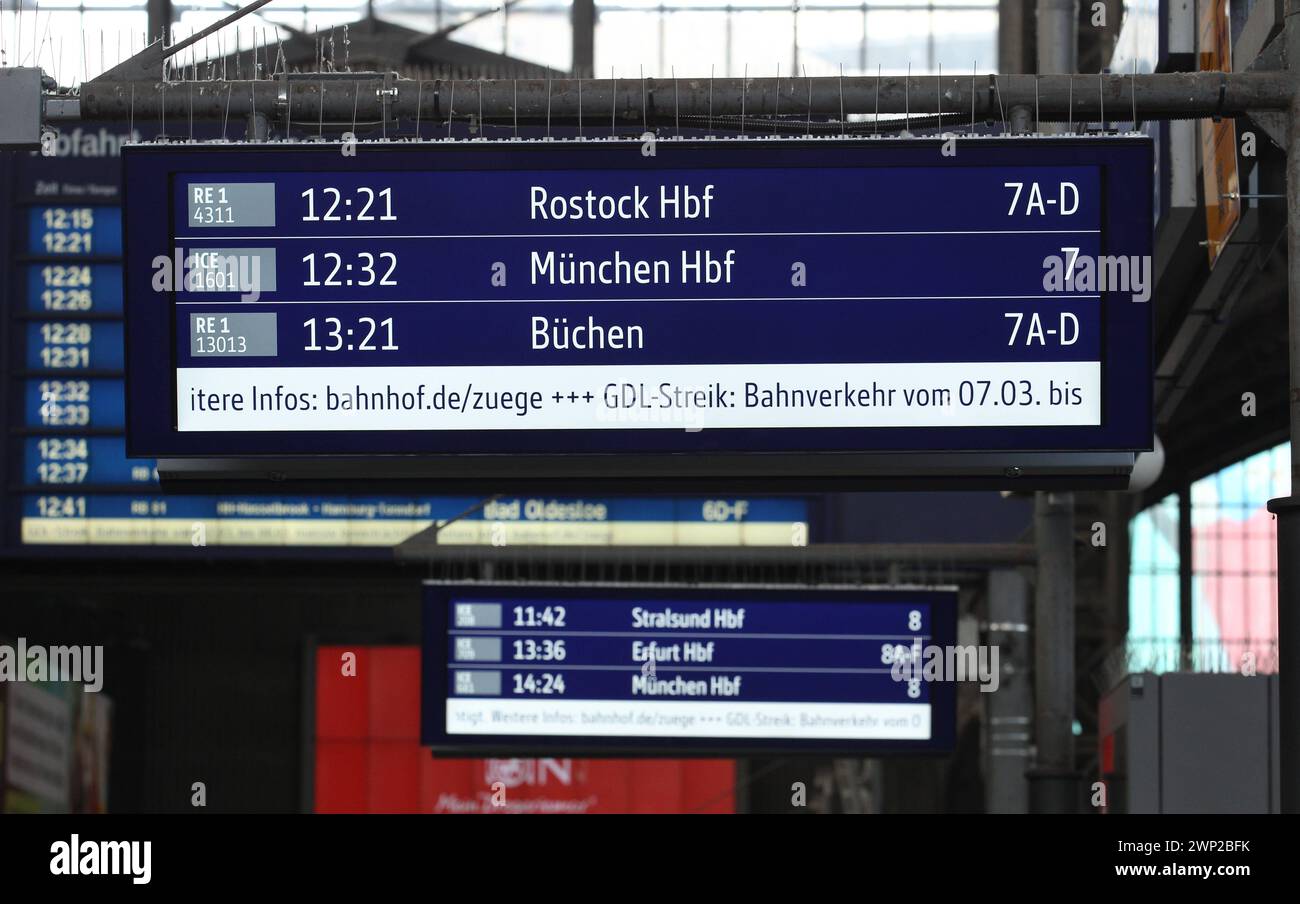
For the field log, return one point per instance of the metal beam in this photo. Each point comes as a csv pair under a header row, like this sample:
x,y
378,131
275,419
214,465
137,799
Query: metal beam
x,y
148,63
1080,98
1264,22
422,548
1207,319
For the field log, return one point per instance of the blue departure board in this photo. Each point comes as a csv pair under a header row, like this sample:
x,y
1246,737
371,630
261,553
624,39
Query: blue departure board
x,y
71,483
528,669
784,296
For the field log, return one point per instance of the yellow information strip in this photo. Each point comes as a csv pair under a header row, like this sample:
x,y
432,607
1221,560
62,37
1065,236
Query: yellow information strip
x,y
323,532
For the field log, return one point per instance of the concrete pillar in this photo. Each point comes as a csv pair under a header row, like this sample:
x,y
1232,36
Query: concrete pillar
x,y
1054,781
1008,711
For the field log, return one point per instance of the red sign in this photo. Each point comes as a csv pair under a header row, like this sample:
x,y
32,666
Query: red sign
x,y
369,759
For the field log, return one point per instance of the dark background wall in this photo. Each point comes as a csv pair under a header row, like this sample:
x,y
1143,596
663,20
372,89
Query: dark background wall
x,y
204,663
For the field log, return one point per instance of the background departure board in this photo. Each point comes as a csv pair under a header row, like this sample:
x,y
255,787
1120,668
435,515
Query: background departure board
x,y
69,483
528,669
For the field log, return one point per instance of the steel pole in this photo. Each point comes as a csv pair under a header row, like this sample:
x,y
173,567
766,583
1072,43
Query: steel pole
x,y
1013,35
1008,710
583,15
1054,786
1058,35
1053,778
1288,509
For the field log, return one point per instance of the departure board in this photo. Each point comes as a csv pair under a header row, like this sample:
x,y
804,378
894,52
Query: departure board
x,y
533,298
71,484
527,669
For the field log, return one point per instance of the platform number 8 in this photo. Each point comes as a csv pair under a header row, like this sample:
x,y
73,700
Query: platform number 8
x,y
914,620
